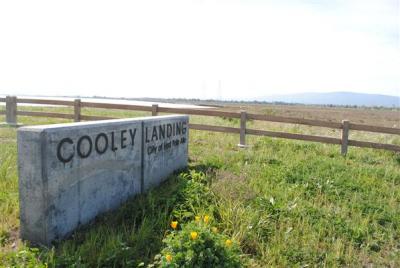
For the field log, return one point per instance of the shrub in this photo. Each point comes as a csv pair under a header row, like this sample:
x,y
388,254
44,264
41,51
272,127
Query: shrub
x,y
27,257
198,244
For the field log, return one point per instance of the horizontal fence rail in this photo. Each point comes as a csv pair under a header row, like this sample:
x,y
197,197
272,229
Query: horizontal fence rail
x,y
45,114
198,112
374,145
293,136
115,106
291,120
94,117
214,128
11,113
386,130
45,101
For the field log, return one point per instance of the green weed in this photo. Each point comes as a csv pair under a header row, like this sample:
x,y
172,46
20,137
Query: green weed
x,y
284,203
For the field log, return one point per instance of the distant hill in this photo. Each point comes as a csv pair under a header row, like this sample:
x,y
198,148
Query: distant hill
x,y
336,98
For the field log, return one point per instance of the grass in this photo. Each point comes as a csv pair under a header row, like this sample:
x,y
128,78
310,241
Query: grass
x,y
287,203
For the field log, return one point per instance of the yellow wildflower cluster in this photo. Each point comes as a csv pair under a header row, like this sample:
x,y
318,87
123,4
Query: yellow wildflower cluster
x,y
193,235
206,218
174,224
168,257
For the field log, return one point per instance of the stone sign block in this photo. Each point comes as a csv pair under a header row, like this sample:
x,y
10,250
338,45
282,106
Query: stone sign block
x,y
69,173
165,148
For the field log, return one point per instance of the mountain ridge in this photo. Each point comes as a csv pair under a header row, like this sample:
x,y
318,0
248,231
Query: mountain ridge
x,y
335,98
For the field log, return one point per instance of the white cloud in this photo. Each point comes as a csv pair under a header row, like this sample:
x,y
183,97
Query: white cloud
x,y
188,49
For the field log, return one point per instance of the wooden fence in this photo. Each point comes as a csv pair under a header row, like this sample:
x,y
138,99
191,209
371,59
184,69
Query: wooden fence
x,y
12,112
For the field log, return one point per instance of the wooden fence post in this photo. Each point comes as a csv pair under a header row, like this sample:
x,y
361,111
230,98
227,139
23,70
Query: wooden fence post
x,y
345,136
243,118
77,110
11,111
154,109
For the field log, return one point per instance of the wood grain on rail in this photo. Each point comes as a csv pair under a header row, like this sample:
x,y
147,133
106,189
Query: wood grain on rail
x,y
116,106
214,128
374,145
293,136
44,101
94,117
293,120
198,112
45,114
387,130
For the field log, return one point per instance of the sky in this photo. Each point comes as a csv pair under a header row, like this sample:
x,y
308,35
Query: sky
x,y
199,49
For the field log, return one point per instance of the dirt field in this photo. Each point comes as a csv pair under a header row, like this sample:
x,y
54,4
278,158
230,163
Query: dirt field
x,y
369,116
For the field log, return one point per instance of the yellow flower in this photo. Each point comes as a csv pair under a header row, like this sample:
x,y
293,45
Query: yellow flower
x,y
168,257
197,218
214,230
193,235
174,224
228,243
206,219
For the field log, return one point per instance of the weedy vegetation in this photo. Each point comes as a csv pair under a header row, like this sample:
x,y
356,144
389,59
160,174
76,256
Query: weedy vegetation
x,y
278,203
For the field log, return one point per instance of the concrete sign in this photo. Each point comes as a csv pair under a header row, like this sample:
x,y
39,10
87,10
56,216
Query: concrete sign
x,y
69,173
164,145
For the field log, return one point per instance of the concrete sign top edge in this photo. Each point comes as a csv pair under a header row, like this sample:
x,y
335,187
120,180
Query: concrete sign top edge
x,y
55,127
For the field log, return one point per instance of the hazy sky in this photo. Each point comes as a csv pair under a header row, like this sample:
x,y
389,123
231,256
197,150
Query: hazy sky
x,y
205,49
